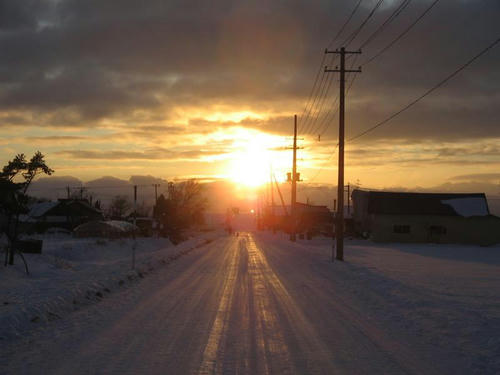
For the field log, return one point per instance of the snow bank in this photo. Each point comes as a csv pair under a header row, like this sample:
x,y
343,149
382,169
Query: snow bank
x,y
72,272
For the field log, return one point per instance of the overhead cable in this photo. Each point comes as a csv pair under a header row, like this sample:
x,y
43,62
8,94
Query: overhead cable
x,y
433,88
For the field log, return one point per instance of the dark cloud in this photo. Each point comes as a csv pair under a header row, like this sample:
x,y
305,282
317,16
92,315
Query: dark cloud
x,y
78,63
150,154
57,138
19,15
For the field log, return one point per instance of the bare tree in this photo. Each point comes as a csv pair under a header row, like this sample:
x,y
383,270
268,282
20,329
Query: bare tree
x,y
184,207
119,207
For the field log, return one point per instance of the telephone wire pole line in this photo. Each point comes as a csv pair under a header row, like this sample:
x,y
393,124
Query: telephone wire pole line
x,y
294,182
339,225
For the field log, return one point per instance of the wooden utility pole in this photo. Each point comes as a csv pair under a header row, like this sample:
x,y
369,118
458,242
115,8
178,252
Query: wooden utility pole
x,y
82,189
339,226
273,224
294,182
156,192
135,220
348,199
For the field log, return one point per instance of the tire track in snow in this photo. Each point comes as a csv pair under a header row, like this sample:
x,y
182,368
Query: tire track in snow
x,y
216,338
271,345
317,357
367,334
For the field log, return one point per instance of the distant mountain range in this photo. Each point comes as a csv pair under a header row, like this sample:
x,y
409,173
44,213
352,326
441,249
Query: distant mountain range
x,y
223,194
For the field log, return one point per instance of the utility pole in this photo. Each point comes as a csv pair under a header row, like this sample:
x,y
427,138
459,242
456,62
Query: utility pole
x,y
171,190
349,190
273,224
156,192
82,189
339,227
135,217
294,182
68,192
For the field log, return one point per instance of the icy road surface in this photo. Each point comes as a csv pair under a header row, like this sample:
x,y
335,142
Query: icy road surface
x,y
240,305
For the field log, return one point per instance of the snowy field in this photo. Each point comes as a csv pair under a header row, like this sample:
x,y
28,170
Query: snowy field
x,y
73,272
441,296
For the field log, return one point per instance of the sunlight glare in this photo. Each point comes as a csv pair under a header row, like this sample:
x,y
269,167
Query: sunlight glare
x,y
254,153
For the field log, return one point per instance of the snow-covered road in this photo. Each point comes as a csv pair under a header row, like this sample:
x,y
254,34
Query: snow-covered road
x,y
240,305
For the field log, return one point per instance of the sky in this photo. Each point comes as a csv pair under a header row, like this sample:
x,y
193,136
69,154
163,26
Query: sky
x,y
208,89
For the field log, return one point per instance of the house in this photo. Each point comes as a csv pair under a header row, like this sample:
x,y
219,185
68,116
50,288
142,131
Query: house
x,y
314,219
425,217
311,219
63,213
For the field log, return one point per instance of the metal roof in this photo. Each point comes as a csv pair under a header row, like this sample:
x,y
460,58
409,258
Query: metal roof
x,y
396,203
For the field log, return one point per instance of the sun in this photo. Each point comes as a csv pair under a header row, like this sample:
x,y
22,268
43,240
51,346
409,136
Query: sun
x,y
254,155
251,167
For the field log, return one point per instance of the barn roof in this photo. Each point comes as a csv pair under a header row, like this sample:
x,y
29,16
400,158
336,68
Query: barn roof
x,y
40,209
447,204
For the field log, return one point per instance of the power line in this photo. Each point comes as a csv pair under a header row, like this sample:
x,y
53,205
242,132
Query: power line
x,y
355,33
321,66
318,101
346,23
402,34
387,22
322,83
404,4
314,86
327,124
435,87
321,103
324,124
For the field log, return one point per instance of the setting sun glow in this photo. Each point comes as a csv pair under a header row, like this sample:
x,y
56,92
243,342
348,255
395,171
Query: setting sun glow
x,y
255,153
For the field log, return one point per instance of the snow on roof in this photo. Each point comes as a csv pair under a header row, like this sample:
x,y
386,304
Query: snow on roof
x,y
122,225
40,209
468,206
405,203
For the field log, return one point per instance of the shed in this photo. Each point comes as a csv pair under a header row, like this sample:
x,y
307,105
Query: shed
x,y
106,229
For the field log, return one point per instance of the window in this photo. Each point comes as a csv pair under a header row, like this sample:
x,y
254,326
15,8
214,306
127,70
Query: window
x,y
401,229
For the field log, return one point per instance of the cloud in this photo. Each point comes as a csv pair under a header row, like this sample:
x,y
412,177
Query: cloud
x,y
485,177
68,57
151,154
56,138
121,80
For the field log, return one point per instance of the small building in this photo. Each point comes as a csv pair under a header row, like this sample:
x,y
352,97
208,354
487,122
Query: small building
x,y
314,219
106,229
145,225
425,217
63,213
310,219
